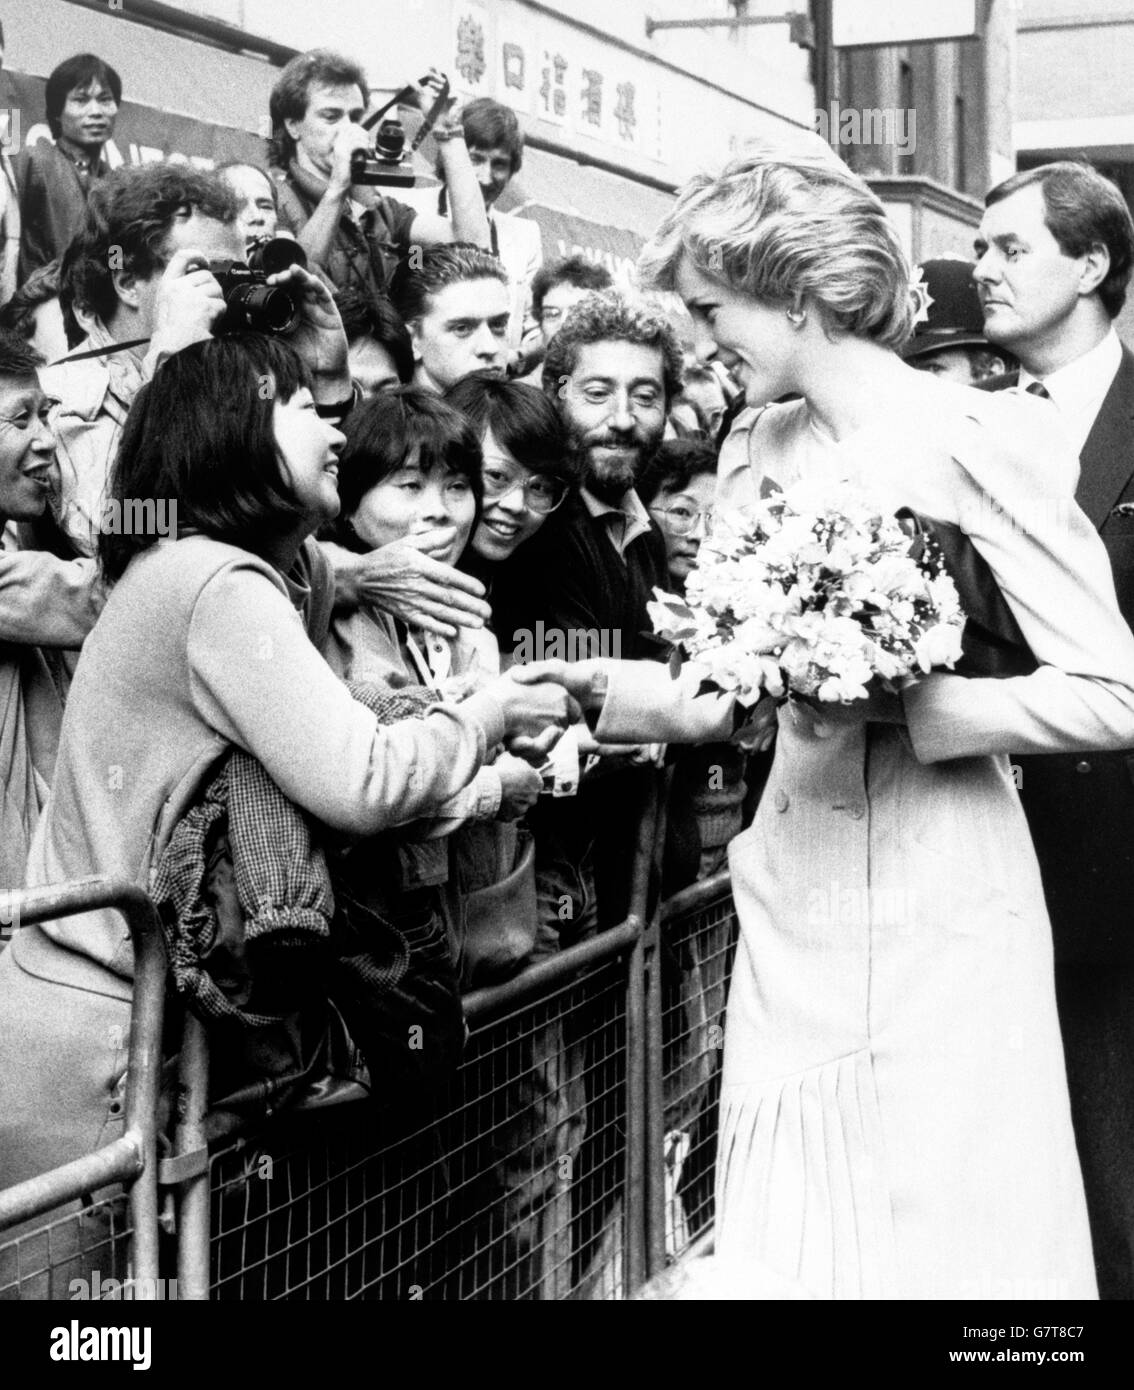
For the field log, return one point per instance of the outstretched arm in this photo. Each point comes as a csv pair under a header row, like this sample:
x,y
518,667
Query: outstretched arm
x,y
639,701
1017,504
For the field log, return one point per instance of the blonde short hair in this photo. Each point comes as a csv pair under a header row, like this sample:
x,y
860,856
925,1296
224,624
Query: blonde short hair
x,y
784,228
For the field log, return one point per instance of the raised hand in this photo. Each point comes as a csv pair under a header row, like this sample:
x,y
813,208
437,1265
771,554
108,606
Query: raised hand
x,y
187,305
318,338
405,581
521,785
348,139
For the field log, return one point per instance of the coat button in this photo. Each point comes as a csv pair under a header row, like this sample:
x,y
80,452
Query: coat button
x,y
1082,766
856,812
780,800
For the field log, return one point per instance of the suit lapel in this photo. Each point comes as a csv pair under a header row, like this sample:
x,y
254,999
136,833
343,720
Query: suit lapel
x,y
1107,460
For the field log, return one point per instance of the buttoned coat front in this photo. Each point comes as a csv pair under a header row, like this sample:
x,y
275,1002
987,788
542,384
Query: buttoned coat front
x,y
895,1119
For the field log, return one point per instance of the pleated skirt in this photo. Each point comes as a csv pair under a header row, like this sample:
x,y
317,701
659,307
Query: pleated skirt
x,y
894,1112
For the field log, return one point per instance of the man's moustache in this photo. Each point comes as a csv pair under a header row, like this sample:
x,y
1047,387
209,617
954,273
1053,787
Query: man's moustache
x,y
616,442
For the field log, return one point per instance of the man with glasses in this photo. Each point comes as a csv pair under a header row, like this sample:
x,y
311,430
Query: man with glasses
x,y
557,288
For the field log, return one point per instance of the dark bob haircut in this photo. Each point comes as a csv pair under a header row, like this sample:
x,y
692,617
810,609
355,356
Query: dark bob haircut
x,y
1082,209
674,465
521,419
201,434
288,101
133,210
77,72
381,434
373,316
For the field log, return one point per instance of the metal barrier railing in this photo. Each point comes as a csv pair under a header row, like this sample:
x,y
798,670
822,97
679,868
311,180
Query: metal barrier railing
x,y
569,1157
132,1158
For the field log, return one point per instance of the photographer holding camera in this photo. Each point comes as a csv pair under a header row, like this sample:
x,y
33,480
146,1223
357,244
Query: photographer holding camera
x,y
347,227
134,275
139,279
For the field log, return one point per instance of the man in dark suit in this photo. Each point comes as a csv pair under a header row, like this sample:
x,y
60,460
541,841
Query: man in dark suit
x,y
1055,251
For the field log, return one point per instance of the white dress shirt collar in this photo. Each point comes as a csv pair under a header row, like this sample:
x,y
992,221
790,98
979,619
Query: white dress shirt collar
x,y
1078,389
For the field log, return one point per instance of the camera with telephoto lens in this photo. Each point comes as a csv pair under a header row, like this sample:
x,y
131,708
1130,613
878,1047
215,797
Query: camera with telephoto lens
x,y
251,305
387,163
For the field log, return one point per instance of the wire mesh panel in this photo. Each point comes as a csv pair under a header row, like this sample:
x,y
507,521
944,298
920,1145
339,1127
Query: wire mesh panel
x,y
81,1255
510,1186
698,944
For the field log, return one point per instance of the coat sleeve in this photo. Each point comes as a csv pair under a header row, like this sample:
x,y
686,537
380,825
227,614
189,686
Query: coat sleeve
x,y
256,678
644,704
1016,486
47,602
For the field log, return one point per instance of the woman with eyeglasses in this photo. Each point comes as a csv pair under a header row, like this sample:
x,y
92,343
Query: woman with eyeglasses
x,y
678,490
201,648
411,471
526,474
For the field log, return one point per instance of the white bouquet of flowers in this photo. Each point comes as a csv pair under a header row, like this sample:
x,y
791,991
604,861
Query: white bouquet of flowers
x,y
814,594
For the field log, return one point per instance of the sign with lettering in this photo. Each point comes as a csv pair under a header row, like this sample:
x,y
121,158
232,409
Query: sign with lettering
x,y
869,22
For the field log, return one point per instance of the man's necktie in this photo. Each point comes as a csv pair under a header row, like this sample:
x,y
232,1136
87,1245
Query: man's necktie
x,y
1037,388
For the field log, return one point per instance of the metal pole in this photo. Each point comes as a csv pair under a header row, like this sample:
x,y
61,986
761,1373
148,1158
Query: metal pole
x,y
143,1082
117,1162
737,22
637,1054
826,63
193,1199
655,1079
133,1155
539,979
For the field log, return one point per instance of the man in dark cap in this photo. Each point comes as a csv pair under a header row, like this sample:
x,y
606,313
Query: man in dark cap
x,y
949,339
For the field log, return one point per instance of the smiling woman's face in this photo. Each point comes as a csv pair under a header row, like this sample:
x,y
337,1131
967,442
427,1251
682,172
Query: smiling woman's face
x,y
754,341
506,521
308,448
410,502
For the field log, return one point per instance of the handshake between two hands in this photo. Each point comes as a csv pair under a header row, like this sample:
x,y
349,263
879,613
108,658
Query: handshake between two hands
x,y
542,699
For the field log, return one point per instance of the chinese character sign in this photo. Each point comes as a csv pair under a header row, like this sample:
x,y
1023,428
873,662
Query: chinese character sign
x,y
470,48
624,115
553,77
591,113
513,63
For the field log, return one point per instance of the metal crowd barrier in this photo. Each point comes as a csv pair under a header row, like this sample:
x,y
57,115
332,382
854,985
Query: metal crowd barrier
x,y
570,1156
76,1243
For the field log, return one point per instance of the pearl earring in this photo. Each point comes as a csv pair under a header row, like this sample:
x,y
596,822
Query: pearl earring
x,y
797,317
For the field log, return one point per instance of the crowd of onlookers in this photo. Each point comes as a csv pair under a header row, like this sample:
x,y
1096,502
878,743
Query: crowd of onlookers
x,y
465,359
323,549
453,457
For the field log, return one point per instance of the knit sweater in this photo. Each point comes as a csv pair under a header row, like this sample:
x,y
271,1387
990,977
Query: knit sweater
x,y
200,648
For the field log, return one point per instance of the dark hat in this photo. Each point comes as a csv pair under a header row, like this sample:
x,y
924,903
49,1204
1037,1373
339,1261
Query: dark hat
x,y
955,316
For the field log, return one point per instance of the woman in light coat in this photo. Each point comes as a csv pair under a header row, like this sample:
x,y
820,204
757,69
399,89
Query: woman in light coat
x,y
201,648
894,1114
